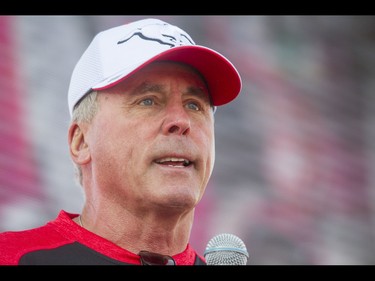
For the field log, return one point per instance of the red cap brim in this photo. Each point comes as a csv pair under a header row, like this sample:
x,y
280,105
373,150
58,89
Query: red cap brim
x,y
222,78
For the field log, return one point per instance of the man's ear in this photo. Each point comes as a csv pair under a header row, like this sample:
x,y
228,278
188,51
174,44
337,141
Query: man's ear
x,y
79,149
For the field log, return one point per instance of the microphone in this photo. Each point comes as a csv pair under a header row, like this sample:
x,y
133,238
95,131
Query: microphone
x,y
226,249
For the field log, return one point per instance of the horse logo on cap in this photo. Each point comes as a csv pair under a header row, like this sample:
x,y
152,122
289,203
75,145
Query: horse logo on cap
x,y
162,33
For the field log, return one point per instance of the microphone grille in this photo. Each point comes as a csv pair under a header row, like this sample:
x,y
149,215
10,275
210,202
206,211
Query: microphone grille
x,y
226,249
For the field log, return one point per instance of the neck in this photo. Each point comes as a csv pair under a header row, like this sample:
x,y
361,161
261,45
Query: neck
x,y
135,233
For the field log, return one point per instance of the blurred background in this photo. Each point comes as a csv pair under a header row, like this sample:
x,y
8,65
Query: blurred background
x,y
294,175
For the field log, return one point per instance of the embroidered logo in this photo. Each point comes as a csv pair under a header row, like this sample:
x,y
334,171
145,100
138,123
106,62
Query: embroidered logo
x,y
160,33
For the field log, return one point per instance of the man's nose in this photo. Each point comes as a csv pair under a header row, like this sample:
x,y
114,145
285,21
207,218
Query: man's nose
x,y
177,120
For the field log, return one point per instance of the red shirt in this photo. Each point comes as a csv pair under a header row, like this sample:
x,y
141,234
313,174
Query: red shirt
x,y
63,242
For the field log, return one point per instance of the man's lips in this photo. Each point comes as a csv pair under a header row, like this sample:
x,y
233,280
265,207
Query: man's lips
x,y
174,161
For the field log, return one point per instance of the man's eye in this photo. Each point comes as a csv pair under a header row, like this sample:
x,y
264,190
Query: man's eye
x,y
147,102
193,106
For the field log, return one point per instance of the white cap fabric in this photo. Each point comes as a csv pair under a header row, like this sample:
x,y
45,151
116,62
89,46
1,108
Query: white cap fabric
x,y
116,53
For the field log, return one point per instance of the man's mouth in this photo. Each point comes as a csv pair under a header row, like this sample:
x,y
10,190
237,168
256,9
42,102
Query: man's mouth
x,y
174,162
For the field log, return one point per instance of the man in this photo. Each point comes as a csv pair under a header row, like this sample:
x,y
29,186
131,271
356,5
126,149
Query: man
x,y
142,99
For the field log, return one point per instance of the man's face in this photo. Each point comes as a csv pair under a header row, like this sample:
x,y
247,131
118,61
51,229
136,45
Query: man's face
x,y
152,140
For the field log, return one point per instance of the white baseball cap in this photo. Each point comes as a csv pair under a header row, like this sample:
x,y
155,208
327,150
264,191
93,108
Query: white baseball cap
x,y
116,53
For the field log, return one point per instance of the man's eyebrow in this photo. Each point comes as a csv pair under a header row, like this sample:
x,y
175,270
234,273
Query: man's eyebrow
x,y
148,87
145,87
197,92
